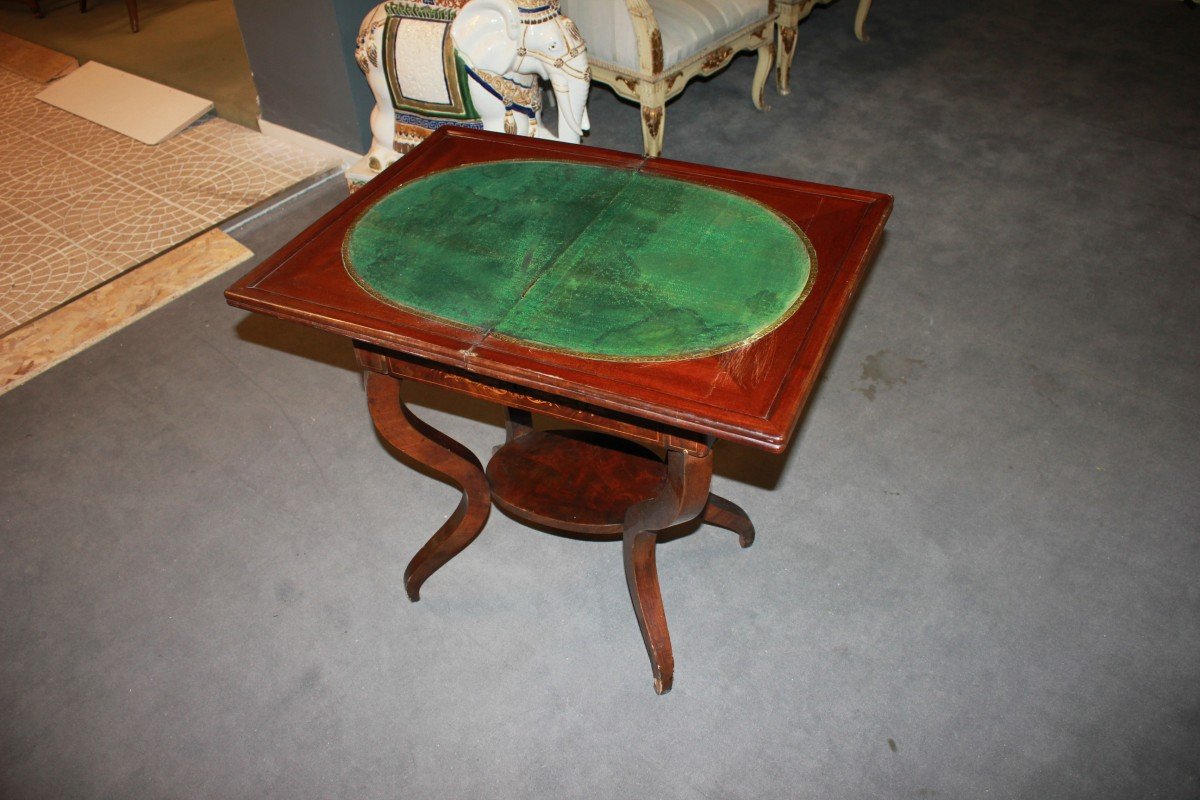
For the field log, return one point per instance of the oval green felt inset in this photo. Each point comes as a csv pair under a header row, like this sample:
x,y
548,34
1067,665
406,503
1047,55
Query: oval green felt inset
x,y
599,261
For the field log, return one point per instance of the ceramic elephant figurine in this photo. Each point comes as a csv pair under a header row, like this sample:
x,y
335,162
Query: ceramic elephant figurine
x,y
474,63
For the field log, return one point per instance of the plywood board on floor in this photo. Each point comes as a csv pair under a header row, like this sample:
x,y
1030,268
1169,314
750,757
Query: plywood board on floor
x,y
39,345
141,109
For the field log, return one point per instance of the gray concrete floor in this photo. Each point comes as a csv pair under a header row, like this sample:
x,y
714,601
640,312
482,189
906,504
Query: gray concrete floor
x,y
977,568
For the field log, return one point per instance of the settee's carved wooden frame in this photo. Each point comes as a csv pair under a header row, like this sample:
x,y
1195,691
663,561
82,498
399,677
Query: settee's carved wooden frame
x,y
654,83
791,12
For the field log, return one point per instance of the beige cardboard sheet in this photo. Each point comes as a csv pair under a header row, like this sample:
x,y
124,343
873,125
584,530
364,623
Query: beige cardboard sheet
x,y
141,109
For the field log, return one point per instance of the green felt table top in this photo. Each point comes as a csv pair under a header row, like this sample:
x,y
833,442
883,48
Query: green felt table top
x,y
599,261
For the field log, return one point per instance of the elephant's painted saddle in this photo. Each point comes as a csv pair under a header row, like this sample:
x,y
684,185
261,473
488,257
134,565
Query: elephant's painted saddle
x,y
427,79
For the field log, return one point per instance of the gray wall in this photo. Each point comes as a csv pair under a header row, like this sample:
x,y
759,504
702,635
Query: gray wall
x,y
302,56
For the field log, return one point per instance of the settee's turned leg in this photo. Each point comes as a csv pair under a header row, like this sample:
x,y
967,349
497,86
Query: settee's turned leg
x,y
785,51
785,41
766,57
652,129
653,100
860,19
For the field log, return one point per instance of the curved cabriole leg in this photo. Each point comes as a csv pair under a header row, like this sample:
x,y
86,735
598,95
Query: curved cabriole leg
x,y
860,20
785,53
444,456
762,71
730,516
683,495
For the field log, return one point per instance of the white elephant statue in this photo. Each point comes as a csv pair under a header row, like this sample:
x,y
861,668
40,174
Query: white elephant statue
x,y
474,63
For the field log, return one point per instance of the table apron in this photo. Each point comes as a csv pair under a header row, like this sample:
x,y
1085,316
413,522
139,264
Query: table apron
x,y
511,395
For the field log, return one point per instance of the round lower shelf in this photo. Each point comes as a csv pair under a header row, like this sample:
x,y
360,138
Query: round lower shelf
x,y
575,481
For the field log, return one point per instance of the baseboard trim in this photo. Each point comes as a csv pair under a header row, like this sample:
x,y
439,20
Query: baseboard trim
x,y
310,143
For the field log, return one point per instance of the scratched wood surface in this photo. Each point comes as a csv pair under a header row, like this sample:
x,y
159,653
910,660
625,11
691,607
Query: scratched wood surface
x,y
752,394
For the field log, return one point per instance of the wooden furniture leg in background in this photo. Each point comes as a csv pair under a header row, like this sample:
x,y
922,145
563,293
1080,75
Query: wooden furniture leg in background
x,y
130,7
444,456
682,496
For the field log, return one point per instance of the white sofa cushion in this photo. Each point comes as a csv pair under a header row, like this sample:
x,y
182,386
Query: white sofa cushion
x,y
688,27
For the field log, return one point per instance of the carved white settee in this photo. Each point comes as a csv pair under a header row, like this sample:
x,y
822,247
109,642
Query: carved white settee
x,y
647,50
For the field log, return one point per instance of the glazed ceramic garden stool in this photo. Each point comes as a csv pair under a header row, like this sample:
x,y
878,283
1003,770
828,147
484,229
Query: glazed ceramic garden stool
x,y
652,305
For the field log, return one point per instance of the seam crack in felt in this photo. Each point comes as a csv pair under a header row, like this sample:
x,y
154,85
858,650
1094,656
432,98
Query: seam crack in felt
x,y
558,257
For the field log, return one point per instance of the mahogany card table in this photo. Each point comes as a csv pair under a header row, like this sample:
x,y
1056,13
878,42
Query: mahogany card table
x,y
652,305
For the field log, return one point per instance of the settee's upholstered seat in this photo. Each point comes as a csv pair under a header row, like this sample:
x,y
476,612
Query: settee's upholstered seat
x,y
647,50
687,27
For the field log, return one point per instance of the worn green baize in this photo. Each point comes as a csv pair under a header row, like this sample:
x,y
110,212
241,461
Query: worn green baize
x,y
598,261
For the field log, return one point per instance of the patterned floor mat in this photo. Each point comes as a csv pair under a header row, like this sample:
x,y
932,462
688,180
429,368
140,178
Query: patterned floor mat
x,y
81,204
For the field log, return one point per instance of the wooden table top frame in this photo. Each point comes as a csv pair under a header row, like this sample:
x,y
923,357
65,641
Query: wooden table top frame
x,y
606,483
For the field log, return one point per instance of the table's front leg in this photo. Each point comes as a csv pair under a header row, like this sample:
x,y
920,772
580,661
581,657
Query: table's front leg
x,y
444,456
683,495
